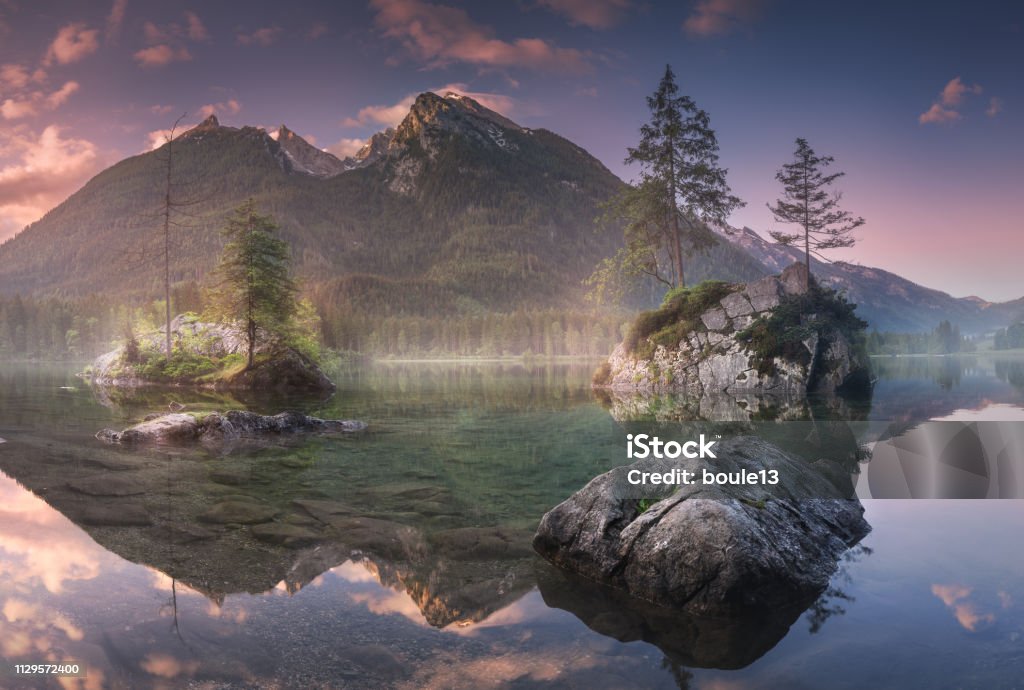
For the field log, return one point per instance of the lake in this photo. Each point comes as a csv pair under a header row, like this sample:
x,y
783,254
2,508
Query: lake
x,y
401,557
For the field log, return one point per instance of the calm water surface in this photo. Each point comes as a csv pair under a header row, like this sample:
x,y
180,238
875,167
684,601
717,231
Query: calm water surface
x,y
401,558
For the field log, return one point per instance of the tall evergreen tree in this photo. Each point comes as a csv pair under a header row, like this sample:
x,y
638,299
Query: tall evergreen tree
x,y
807,202
257,290
678,154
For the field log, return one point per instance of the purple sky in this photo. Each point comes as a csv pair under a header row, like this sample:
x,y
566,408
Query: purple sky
x,y
920,103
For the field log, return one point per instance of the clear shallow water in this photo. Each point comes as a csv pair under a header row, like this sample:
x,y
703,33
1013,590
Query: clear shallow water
x,y
419,572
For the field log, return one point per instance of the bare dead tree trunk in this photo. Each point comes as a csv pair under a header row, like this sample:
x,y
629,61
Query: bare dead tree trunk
x,y
167,235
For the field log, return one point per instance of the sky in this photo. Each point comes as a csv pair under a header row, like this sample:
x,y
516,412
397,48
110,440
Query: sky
x,y
920,103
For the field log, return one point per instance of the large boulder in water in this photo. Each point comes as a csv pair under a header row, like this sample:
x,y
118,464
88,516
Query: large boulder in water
x,y
708,549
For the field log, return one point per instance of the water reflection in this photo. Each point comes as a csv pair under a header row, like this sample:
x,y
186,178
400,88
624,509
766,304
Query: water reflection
x,y
402,559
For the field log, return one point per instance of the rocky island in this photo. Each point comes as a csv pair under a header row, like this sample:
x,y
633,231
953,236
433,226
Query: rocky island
x,y
217,427
208,355
782,336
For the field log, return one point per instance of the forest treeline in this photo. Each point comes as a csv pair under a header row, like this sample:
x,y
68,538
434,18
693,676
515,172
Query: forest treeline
x,y
946,339
58,329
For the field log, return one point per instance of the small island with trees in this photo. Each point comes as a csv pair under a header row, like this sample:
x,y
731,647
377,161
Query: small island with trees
x,y
258,334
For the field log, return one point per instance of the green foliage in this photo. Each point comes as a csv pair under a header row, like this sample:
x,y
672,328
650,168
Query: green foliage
x,y
679,315
183,366
943,340
683,188
257,290
646,504
820,311
602,374
1010,338
809,203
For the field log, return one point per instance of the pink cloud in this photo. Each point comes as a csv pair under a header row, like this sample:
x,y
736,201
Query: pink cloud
x,y
230,107
388,115
441,35
14,76
346,147
38,172
595,14
946,109
717,17
195,30
938,115
115,19
318,30
260,37
167,44
162,54
161,109
953,92
61,95
72,43
391,115
30,104
995,106
967,614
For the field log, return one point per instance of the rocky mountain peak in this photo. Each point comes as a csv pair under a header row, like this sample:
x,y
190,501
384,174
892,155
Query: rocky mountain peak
x,y
375,148
306,158
209,123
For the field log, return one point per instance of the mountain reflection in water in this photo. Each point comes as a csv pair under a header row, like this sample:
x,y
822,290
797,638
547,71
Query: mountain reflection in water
x,y
402,559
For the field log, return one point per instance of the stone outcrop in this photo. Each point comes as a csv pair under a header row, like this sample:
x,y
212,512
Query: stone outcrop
x,y
710,361
710,550
278,367
216,427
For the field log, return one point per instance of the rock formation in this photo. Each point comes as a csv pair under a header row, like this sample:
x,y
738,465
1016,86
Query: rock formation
x,y
181,427
712,359
710,550
278,366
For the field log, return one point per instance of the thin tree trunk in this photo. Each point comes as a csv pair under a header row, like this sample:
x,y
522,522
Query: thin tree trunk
x,y
167,243
252,342
807,227
675,220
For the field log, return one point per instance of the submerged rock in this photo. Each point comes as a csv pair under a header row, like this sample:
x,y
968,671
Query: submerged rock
x,y
179,427
708,549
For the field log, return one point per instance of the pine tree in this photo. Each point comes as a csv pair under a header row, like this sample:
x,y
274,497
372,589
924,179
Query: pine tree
x,y
678,154
257,290
807,202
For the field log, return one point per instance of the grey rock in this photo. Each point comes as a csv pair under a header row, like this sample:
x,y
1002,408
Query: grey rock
x,y
167,428
285,534
763,294
239,512
712,360
794,279
113,514
736,305
714,319
122,484
219,427
708,550
720,372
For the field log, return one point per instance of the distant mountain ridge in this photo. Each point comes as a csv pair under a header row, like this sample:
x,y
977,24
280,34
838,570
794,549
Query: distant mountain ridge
x,y
888,301
458,209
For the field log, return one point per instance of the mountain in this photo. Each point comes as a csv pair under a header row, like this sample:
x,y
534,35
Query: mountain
x,y
887,301
306,158
457,210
